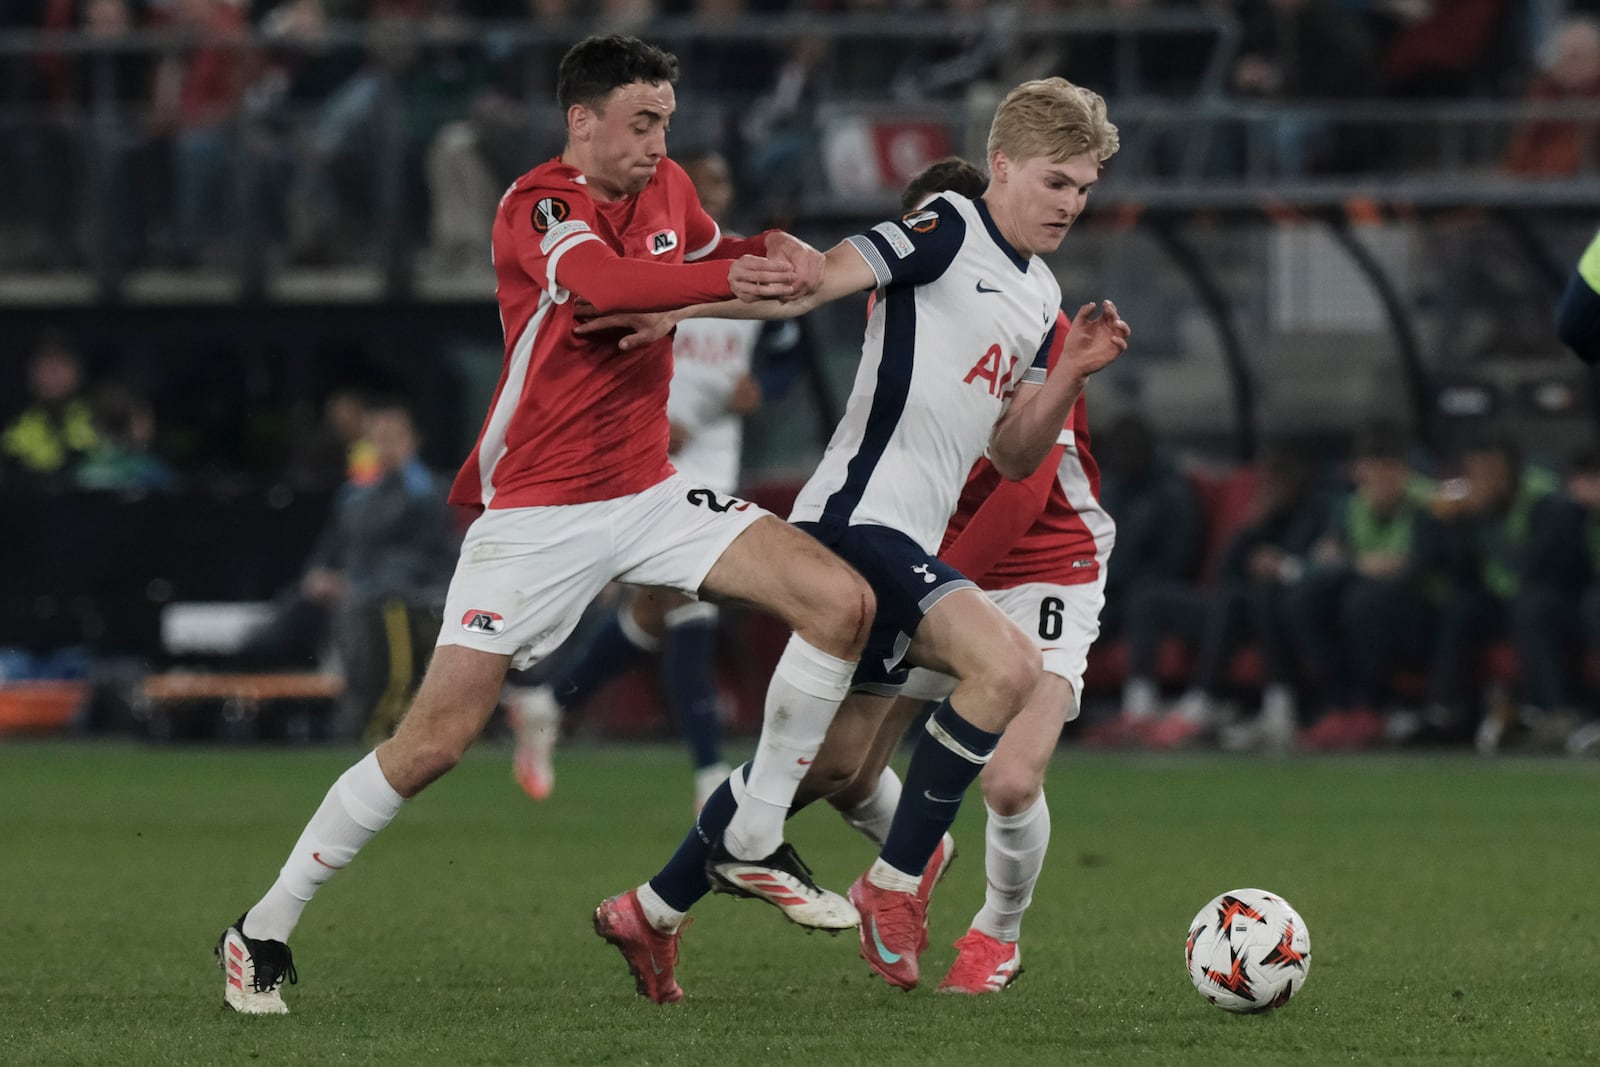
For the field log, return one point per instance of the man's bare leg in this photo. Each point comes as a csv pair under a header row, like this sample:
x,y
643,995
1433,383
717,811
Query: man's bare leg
x,y
786,572
457,696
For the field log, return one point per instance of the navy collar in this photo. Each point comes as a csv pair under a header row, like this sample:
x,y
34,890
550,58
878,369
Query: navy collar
x,y
994,231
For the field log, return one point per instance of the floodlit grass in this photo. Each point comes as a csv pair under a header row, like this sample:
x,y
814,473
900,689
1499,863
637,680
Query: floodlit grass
x,y
1453,906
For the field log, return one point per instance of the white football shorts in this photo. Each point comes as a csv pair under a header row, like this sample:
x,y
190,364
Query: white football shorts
x,y
526,574
1063,621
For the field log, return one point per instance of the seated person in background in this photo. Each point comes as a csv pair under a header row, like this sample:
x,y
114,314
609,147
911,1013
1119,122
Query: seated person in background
x,y
121,459
1369,597
328,448
1244,605
1517,568
41,446
1160,539
377,576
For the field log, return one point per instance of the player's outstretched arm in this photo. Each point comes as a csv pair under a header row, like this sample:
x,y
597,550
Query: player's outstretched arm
x,y
844,272
1025,433
614,283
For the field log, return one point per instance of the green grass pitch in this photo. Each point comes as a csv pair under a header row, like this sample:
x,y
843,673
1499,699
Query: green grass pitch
x,y
1453,906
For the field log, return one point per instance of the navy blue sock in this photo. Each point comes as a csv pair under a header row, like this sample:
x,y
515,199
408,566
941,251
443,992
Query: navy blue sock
x,y
682,881
605,653
947,757
689,673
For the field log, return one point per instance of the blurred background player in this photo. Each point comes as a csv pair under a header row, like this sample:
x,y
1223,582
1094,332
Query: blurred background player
x,y
715,384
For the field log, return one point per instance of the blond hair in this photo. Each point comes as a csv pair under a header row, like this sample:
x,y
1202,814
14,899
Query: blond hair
x,y
1052,119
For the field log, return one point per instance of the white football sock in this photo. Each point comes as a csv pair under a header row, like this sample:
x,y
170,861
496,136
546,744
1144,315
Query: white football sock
x,y
873,816
892,878
663,916
360,804
806,689
1013,857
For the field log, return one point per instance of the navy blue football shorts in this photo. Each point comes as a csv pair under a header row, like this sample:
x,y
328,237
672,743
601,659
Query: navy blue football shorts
x,y
907,582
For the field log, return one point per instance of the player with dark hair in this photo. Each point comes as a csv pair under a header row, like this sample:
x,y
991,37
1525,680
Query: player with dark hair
x,y
723,371
952,175
571,478
953,365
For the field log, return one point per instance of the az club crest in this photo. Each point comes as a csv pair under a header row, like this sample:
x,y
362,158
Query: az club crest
x,y
482,622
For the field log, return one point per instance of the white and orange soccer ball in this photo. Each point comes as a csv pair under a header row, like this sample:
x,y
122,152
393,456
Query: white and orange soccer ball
x,y
1248,951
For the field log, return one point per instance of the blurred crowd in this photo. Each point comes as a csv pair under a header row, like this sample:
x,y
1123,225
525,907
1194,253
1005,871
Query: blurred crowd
x,y
1381,595
175,419
303,126
1391,598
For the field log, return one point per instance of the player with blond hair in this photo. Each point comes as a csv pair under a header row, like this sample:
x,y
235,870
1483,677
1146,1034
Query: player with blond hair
x,y
953,366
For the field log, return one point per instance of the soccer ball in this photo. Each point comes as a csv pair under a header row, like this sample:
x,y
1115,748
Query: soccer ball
x,y
1248,951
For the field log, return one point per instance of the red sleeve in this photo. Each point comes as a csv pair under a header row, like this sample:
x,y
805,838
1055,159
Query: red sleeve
x,y
554,235
1003,517
616,283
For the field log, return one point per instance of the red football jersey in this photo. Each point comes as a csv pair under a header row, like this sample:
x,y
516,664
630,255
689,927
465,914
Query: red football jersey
x,y
575,420
1049,527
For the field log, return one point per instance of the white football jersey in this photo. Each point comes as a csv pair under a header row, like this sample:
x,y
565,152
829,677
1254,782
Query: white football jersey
x,y
961,318
709,356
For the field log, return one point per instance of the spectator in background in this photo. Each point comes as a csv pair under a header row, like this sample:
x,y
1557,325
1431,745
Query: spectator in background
x,y
1578,313
41,448
196,99
376,579
36,146
472,160
100,100
122,458
1160,537
1449,49
364,153
335,450
777,132
1562,148
1583,487
1245,604
1369,597
1518,566
1306,50
1160,524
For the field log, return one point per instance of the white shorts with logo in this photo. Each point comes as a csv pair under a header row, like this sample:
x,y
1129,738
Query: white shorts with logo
x,y
526,574
1063,621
